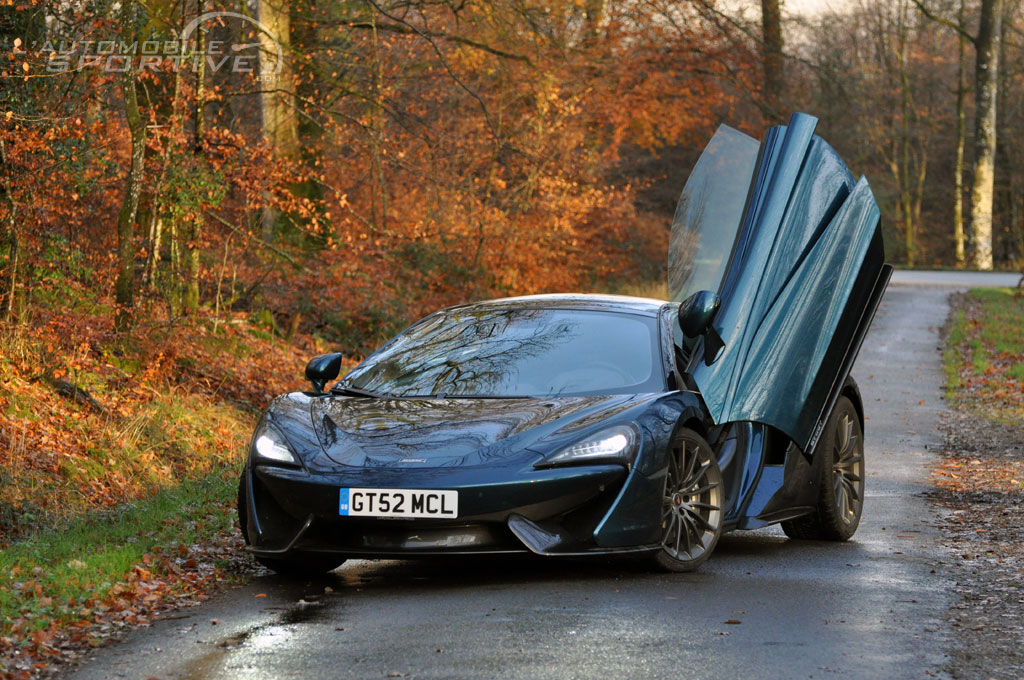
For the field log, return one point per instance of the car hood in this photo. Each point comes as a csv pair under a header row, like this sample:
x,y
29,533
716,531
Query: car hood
x,y
419,433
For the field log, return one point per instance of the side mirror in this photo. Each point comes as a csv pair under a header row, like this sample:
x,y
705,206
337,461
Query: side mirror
x,y
696,315
697,312
322,369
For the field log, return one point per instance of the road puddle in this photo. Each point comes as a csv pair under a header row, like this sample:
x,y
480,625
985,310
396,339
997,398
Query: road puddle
x,y
240,649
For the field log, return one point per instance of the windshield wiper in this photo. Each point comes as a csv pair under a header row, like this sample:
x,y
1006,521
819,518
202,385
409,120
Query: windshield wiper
x,y
445,395
356,392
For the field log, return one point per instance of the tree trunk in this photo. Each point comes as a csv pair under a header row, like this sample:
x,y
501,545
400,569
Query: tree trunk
x,y
594,12
125,286
1006,242
200,106
156,224
771,32
309,84
13,252
961,136
280,122
190,301
277,105
906,192
174,288
986,88
377,120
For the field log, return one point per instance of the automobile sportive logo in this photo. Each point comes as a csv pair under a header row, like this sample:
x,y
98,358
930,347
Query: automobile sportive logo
x,y
263,56
273,55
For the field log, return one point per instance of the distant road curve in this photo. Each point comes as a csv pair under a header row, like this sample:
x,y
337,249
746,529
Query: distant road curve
x,y
956,279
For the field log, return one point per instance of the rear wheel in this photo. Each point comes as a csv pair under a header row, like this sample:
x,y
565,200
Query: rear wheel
x,y
841,485
691,509
293,565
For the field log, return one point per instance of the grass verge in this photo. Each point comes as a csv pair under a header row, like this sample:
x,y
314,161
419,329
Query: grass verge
x,y
984,355
980,481
119,455
69,588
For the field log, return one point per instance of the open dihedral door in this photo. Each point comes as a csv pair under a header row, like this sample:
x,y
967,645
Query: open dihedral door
x,y
793,246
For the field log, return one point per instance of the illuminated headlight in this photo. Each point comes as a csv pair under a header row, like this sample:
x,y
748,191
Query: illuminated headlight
x,y
269,446
614,445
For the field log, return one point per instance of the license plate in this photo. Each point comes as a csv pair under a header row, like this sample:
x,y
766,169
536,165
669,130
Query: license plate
x,y
398,503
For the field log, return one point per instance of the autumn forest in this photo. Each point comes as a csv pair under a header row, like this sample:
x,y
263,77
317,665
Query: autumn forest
x,y
196,196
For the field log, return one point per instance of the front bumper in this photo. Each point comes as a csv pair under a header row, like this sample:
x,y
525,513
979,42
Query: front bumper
x,y
553,511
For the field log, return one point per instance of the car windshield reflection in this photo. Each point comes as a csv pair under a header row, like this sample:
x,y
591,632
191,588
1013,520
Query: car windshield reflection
x,y
516,353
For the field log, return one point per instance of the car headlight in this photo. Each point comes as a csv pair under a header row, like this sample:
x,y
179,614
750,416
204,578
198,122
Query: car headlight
x,y
269,446
614,445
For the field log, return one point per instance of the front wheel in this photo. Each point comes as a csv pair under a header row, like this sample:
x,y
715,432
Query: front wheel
x,y
691,508
841,485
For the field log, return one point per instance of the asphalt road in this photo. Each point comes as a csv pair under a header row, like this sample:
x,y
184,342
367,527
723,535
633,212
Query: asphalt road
x,y
872,608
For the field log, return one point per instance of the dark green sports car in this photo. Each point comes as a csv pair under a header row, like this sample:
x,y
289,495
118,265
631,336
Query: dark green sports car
x,y
594,424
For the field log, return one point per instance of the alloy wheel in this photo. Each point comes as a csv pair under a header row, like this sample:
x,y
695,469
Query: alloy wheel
x,y
847,470
692,503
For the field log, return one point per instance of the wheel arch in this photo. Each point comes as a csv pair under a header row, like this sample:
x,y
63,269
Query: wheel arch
x,y
695,424
627,523
852,392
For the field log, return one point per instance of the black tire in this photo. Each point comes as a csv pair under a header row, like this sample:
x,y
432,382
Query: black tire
x,y
300,565
691,508
841,484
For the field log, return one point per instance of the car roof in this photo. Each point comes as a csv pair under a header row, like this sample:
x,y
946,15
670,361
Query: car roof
x,y
588,301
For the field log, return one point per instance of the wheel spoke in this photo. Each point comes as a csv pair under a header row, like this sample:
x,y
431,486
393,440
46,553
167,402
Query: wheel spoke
x,y
694,517
686,526
850,489
697,476
679,535
850,459
698,535
704,489
689,466
843,432
672,523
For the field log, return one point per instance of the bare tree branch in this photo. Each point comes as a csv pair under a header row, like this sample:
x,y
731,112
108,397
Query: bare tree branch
x,y
948,23
249,235
405,30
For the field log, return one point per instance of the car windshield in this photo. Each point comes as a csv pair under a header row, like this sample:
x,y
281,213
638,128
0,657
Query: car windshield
x,y
516,353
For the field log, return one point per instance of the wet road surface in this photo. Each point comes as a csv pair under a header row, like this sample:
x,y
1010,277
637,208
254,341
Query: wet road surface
x,y
869,608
